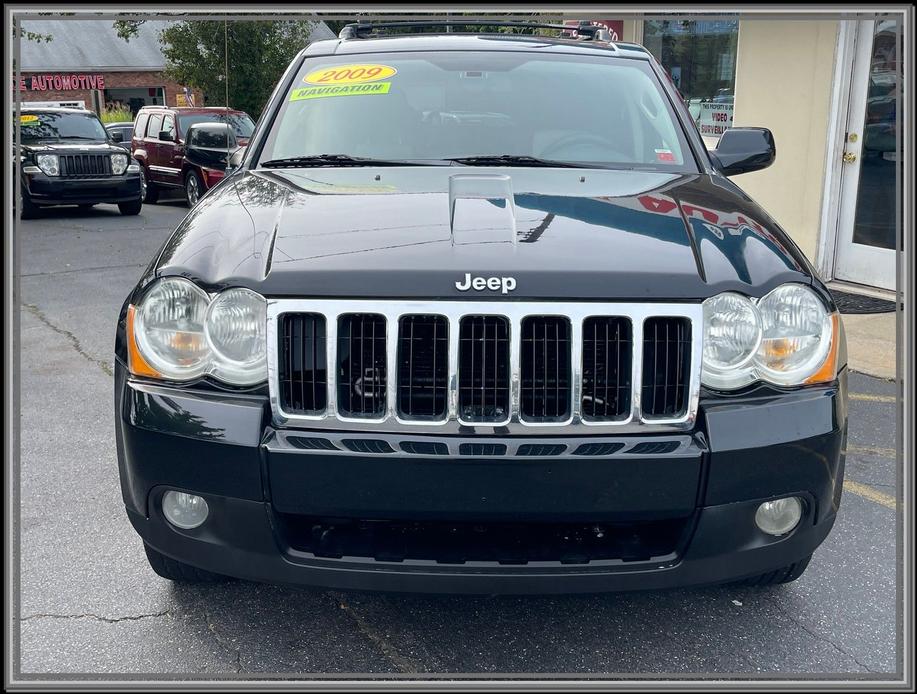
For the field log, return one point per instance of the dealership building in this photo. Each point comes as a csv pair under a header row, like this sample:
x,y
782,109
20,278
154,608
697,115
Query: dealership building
x,y
87,64
829,91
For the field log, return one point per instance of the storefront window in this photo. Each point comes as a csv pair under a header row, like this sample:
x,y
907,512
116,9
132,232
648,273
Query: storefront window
x,y
700,56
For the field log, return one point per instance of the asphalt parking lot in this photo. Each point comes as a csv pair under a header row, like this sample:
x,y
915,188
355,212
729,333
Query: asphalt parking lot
x,y
90,604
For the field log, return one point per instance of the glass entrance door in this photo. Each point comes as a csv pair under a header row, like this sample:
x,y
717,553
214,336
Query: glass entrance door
x,y
870,200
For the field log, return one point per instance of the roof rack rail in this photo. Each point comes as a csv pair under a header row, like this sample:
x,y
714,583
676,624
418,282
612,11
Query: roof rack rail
x,y
585,30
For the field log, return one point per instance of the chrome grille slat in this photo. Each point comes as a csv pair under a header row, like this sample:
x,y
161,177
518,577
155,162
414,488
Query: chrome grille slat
x,y
389,418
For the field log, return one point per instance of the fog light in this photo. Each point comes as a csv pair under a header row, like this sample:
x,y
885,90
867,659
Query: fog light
x,y
184,510
780,516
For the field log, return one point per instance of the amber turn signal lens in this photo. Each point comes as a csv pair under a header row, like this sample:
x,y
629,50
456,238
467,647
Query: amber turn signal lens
x,y
136,364
828,370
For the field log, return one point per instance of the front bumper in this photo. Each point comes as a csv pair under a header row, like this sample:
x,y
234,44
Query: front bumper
x,y
55,190
223,447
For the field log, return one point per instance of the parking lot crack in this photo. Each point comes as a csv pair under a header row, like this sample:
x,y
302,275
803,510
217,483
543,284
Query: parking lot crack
x,y
100,618
224,645
73,339
392,654
802,625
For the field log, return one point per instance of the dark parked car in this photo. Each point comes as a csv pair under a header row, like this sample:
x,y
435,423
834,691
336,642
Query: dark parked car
x,y
209,149
480,313
68,158
158,143
120,133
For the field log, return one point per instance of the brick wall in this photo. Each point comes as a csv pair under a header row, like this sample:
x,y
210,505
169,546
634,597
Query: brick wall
x,y
110,80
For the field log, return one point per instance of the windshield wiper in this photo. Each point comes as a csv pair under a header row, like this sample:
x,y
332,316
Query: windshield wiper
x,y
521,160
345,160
79,137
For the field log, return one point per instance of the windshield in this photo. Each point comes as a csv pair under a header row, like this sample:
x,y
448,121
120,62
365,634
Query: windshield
x,y
457,104
242,124
60,126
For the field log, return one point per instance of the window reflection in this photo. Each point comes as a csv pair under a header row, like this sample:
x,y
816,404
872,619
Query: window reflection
x,y
700,57
875,220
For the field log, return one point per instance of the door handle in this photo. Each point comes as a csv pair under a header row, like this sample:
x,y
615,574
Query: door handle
x,y
849,157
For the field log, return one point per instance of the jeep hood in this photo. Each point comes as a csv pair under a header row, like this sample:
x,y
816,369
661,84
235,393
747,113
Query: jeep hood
x,y
416,231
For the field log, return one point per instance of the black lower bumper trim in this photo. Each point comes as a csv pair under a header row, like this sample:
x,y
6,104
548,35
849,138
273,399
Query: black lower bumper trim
x,y
240,539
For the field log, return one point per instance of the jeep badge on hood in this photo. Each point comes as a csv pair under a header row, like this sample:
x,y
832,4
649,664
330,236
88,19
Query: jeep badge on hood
x,y
504,284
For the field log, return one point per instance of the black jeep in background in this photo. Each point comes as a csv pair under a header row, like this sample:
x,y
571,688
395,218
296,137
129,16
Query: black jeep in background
x,y
68,158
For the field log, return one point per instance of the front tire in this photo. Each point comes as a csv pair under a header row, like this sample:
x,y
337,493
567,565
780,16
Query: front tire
x,y
29,209
193,188
130,208
148,190
787,574
177,571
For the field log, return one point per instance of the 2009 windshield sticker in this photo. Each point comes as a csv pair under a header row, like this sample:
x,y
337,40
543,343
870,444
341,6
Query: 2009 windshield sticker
x,y
28,119
350,74
340,90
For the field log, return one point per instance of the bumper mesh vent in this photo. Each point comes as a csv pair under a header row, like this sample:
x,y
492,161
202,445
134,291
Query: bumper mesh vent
x,y
493,449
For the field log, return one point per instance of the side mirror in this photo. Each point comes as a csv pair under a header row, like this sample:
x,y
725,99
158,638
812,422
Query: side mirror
x,y
166,136
116,136
235,159
740,150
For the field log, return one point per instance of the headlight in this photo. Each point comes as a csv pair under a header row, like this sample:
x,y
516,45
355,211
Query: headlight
x,y
178,333
236,323
797,334
48,163
786,338
118,164
732,334
169,327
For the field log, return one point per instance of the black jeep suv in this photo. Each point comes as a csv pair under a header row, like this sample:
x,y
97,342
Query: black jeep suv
x,y
66,157
480,313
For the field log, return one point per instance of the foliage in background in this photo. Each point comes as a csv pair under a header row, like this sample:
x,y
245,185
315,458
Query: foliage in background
x,y
259,52
116,115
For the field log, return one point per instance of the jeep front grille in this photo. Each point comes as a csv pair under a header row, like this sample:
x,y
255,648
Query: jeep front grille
x,y
361,365
483,372
666,354
545,368
492,368
607,351
423,368
302,354
80,165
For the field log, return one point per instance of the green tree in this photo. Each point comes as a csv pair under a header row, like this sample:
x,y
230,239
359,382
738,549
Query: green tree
x,y
258,53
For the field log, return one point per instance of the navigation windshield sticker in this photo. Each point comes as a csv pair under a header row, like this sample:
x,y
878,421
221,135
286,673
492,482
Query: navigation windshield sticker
x,y
301,93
